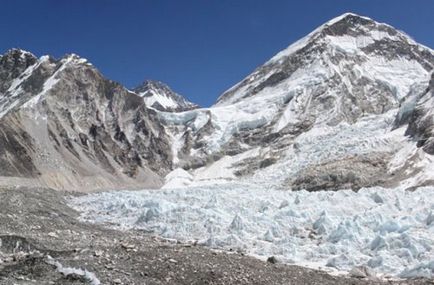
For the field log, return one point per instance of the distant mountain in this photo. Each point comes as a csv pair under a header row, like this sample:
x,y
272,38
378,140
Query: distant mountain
x,y
159,96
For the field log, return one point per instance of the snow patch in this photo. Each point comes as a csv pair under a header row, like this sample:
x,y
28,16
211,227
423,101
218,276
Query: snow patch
x,y
89,276
152,97
178,178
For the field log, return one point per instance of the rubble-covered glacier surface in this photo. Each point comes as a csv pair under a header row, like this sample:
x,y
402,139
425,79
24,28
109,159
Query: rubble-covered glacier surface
x,y
390,231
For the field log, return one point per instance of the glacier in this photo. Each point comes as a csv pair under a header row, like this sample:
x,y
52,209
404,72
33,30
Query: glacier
x,y
387,230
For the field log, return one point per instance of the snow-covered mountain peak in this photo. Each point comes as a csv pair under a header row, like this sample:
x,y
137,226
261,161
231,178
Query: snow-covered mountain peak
x,y
74,59
346,16
158,95
346,25
350,20
339,59
12,64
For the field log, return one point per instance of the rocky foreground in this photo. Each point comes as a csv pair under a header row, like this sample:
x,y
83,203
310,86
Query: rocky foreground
x,y
42,242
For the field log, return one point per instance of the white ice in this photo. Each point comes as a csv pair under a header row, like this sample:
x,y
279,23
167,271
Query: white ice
x,y
388,230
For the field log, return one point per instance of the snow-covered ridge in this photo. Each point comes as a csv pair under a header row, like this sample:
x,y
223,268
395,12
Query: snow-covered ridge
x,y
53,79
13,97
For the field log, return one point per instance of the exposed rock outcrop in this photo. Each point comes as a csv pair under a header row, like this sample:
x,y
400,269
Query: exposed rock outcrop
x,y
421,119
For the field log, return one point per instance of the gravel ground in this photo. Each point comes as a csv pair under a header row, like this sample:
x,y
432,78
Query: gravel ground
x,y
41,238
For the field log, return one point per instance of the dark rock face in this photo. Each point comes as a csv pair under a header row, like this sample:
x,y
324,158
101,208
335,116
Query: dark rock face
x,y
16,147
421,119
12,65
107,133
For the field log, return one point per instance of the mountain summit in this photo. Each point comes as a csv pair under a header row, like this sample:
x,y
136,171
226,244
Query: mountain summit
x,y
336,45
159,96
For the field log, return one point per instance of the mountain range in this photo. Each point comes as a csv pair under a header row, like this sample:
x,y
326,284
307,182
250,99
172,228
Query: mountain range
x,y
348,106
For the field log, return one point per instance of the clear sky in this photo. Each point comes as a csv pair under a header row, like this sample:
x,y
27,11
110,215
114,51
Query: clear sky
x,y
199,47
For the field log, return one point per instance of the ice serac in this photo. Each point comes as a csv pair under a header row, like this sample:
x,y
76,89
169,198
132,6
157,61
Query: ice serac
x,y
65,126
318,115
159,96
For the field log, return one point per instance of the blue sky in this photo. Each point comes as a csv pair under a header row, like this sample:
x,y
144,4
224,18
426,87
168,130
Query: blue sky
x,y
199,47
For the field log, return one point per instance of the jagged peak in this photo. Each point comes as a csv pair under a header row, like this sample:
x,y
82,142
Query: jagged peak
x,y
74,59
159,95
152,84
17,57
18,52
70,58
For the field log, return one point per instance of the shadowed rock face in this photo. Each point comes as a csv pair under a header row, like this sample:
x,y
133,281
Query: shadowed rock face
x,y
12,65
421,119
16,147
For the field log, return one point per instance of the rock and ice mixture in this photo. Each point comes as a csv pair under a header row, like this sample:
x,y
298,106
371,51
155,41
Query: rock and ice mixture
x,y
390,231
